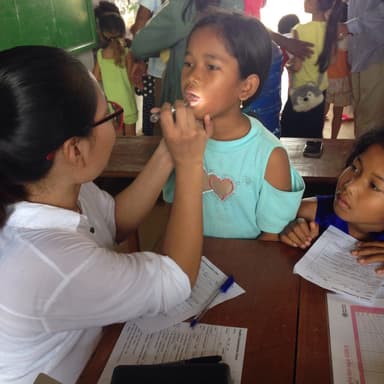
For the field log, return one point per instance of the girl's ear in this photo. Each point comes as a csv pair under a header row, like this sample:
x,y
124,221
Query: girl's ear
x,y
75,151
249,87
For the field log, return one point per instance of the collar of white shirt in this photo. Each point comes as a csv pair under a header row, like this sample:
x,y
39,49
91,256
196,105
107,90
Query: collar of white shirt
x,y
34,215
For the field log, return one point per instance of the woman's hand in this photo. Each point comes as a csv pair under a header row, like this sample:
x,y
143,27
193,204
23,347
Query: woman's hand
x,y
300,233
184,135
370,252
186,139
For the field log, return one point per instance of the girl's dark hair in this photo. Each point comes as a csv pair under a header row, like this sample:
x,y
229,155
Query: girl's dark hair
x,y
200,6
105,7
337,15
287,22
246,39
112,28
47,96
372,137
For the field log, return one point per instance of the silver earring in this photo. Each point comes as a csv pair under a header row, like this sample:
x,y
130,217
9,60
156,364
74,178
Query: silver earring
x,y
241,104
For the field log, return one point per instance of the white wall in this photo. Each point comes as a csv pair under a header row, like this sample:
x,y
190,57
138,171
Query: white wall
x,y
276,9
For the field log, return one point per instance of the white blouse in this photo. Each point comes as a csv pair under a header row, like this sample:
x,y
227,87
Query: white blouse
x,y
60,281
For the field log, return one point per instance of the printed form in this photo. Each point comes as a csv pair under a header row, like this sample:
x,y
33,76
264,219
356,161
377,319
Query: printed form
x,y
178,343
357,341
329,264
210,277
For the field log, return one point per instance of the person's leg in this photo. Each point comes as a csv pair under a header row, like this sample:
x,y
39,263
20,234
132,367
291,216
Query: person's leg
x,y
355,83
326,109
313,121
302,124
336,121
368,95
290,123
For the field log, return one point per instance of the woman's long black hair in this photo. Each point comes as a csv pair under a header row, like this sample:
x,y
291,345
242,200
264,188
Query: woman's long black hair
x,y
46,96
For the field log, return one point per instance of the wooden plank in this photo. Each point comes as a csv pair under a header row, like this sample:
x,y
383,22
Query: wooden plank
x,y
325,169
130,154
313,348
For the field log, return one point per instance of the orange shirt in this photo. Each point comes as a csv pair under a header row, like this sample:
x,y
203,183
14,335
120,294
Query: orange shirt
x,y
339,68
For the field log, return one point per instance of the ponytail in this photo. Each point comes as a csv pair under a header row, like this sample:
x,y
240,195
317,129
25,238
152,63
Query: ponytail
x,y
337,15
112,28
9,194
117,45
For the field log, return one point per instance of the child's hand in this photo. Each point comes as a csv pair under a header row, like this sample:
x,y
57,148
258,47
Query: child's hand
x,y
300,233
299,48
139,69
184,135
370,252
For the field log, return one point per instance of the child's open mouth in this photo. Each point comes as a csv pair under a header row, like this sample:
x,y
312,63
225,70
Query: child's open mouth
x,y
191,99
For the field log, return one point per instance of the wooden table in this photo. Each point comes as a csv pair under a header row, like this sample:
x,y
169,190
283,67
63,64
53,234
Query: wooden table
x,y
130,154
325,169
287,340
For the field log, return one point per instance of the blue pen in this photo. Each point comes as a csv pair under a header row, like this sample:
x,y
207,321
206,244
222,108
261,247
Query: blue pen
x,y
221,289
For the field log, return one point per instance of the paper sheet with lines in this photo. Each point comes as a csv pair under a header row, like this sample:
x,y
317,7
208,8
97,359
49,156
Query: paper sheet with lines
x,y
329,264
357,341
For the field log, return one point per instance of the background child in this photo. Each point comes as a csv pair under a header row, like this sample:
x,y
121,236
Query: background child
x,y
60,278
334,60
113,65
285,25
266,108
250,187
309,123
146,77
356,208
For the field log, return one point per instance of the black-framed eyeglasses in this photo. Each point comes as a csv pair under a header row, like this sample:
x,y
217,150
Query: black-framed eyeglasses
x,y
116,116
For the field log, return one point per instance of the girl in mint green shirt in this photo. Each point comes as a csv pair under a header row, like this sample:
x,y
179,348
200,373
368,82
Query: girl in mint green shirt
x,y
250,190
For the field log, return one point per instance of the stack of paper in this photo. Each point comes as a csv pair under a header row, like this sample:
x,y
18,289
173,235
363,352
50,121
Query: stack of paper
x,y
164,338
178,343
329,264
209,278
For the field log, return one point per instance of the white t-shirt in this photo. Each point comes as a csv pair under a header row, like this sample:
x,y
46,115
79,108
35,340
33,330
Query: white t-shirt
x,y
60,281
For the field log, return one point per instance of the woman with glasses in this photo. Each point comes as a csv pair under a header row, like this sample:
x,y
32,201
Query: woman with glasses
x,y
60,278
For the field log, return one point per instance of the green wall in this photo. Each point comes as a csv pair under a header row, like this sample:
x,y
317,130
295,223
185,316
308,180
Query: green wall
x,y
68,24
